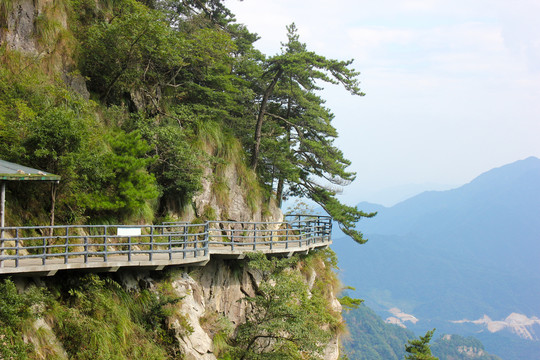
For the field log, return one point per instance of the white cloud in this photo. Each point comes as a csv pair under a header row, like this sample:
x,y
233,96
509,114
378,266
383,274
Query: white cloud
x,y
519,324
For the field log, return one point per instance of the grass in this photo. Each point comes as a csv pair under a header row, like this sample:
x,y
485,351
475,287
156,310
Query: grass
x,y
95,318
219,328
90,317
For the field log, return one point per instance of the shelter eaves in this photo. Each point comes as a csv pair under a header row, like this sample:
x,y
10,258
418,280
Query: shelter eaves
x,y
15,172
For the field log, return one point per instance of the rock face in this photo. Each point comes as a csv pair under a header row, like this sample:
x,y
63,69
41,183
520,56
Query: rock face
x,y
220,288
18,32
18,29
236,206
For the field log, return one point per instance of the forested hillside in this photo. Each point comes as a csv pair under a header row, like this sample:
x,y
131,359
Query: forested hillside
x,y
136,104
371,338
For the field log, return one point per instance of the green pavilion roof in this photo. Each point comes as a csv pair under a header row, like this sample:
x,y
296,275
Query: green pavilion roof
x,y
15,172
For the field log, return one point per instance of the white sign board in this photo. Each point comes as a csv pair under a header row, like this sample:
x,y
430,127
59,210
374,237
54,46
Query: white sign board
x,y
129,232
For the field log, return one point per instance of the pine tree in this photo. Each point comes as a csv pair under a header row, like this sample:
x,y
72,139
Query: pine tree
x,y
298,142
419,348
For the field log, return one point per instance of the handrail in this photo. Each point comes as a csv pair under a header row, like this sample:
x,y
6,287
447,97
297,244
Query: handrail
x,y
81,246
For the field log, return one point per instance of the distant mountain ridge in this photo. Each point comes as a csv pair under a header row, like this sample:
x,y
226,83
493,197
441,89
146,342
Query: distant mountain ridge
x,y
454,255
494,216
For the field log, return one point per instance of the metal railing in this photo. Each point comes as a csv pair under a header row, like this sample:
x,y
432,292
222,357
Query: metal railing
x,y
34,246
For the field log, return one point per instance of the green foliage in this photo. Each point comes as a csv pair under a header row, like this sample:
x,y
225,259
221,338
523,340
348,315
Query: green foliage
x,y
177,85
220,329
16,311
371,338
95,318
125,185
457,347
418,349
349,303
298,135
286,321
134,49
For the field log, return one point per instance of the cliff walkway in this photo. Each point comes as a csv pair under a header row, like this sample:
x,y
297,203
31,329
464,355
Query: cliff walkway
x,y
44,250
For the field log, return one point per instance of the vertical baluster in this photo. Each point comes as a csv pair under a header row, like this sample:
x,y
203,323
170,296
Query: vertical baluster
x,y
44,254
271,238
301,232
310,227
232,237
129,248
86,249
16,237
206,238
185,241
286,236
67,246
150,253
17,252
255,236
105,243
170,247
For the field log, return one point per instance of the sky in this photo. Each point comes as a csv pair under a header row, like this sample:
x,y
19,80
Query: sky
x,y
452,87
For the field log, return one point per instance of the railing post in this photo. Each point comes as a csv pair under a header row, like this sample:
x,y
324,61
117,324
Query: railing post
x,y
186,237
16,237
44,252
301,230
206,238
150,253
67,246
17,252
232,238
170,247
254,236
105,243
287,236
271,238
311,232
129,248
86,249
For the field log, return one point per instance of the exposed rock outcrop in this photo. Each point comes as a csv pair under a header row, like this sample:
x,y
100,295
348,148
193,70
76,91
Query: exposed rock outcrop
x,y
18,26
237,207
216,290
19,32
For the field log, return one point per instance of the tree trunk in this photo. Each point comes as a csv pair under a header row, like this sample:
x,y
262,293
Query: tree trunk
x,y
260,119
281,182
279,190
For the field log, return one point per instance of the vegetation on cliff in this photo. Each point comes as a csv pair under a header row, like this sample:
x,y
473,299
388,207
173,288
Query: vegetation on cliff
x,y
175,87
291,315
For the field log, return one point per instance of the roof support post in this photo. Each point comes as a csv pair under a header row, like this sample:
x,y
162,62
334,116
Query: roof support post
x,y
2,205
54,186
2,208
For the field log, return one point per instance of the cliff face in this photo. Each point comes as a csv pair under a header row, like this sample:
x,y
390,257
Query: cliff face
x,y
216,289
19,31
204,321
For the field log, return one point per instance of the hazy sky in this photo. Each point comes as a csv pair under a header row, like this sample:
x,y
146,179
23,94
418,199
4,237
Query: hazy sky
x,y
452,87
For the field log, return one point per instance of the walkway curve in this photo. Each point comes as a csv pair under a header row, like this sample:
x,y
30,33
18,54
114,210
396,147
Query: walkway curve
x,y
45,250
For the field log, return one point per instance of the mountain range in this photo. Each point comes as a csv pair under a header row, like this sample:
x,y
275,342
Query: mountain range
x,y
465,261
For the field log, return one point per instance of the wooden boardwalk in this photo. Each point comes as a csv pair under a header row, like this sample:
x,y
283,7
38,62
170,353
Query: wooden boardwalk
x,y
32,251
